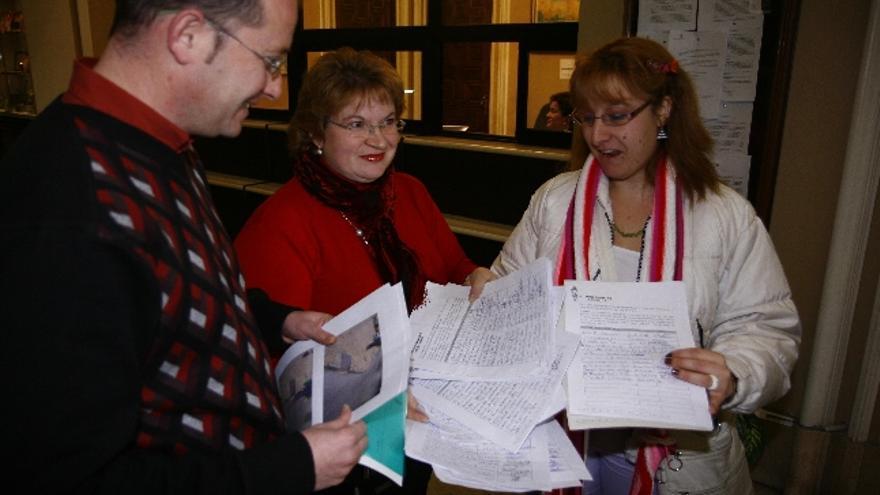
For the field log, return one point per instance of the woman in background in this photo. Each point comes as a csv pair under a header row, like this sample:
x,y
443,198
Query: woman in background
x,y
555,114
558,117
648,206
347,222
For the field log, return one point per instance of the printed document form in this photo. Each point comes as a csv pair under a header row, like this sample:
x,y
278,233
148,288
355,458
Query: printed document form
x,y
618,377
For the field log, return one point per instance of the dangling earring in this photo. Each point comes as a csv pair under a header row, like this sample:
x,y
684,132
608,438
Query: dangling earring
x,y
662,135
319,151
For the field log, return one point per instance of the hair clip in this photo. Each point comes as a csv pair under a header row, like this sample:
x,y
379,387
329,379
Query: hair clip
x,y
670,67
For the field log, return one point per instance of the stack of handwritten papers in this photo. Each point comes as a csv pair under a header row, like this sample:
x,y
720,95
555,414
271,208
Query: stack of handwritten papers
x,y
489,375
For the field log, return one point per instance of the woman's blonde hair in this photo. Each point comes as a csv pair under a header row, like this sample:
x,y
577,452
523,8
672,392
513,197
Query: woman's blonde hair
x,y
337,79
642,68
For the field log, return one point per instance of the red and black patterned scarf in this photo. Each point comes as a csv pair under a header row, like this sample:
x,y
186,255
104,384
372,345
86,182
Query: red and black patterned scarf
x,y
369,207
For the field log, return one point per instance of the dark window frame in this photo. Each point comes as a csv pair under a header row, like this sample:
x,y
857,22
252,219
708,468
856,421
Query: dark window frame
x,y
429,40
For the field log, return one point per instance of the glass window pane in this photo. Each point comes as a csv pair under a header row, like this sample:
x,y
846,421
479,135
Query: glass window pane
x,y
332,14
556,10
480,12
548,101
409,66
479,87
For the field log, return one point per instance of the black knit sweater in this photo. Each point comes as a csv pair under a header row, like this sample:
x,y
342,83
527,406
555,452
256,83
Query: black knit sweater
x,y
131,358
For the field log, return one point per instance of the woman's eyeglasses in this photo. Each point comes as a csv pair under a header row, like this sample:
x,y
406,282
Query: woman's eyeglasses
x,y
615,119
360,129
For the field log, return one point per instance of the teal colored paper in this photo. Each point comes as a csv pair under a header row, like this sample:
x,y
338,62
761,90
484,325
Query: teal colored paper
x,y
386,428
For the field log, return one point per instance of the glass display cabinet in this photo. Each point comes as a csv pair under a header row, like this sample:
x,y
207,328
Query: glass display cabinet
x,y
16,84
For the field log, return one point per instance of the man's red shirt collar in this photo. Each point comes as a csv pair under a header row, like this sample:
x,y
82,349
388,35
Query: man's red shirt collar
x,y
90,89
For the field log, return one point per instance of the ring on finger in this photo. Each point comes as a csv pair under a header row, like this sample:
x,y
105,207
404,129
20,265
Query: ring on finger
x,y
713,385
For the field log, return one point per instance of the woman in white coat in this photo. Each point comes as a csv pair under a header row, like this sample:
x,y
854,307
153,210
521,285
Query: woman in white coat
x,y
647,205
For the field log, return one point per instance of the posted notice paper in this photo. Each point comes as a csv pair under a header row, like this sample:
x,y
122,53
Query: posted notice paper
x,y
367,368
618,377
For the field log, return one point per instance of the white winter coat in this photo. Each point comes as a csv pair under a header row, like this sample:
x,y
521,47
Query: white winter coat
x,y
737,292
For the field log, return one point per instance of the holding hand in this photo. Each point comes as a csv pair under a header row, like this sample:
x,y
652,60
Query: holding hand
x,y
336,447
413,410
306,325
705,368
476,280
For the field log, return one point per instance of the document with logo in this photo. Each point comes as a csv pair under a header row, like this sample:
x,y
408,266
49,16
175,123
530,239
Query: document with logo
x,y
618,377
367,369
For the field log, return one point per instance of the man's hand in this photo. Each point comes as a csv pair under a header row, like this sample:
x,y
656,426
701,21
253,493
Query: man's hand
x,y
306,325
476,280
336,447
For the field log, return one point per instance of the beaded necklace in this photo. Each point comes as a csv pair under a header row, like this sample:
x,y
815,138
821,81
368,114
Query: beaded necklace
x,y
629,235
613,228
359,232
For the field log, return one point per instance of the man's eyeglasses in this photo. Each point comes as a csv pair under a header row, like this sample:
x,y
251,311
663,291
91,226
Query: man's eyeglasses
x,y
360,129
275,64
615,119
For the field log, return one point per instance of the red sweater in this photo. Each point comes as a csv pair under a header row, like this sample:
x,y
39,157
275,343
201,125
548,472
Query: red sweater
x,y
304,254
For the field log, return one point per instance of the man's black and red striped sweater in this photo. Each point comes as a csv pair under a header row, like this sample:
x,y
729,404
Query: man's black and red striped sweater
x,y
131,360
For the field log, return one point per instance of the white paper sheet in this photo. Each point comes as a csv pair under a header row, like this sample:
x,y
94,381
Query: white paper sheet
x,y
618,377
733,169
502,412
702,54
504,333
461,457
730,129
743,57
447,444
567,467
717,15
665,15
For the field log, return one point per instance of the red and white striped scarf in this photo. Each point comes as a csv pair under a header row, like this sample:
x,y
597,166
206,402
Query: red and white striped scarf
x,y
579,258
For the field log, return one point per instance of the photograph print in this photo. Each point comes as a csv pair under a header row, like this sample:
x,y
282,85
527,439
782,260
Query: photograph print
x,y
353,368
295,388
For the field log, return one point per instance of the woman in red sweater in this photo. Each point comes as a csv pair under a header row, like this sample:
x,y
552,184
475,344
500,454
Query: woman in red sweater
x,y
347,222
